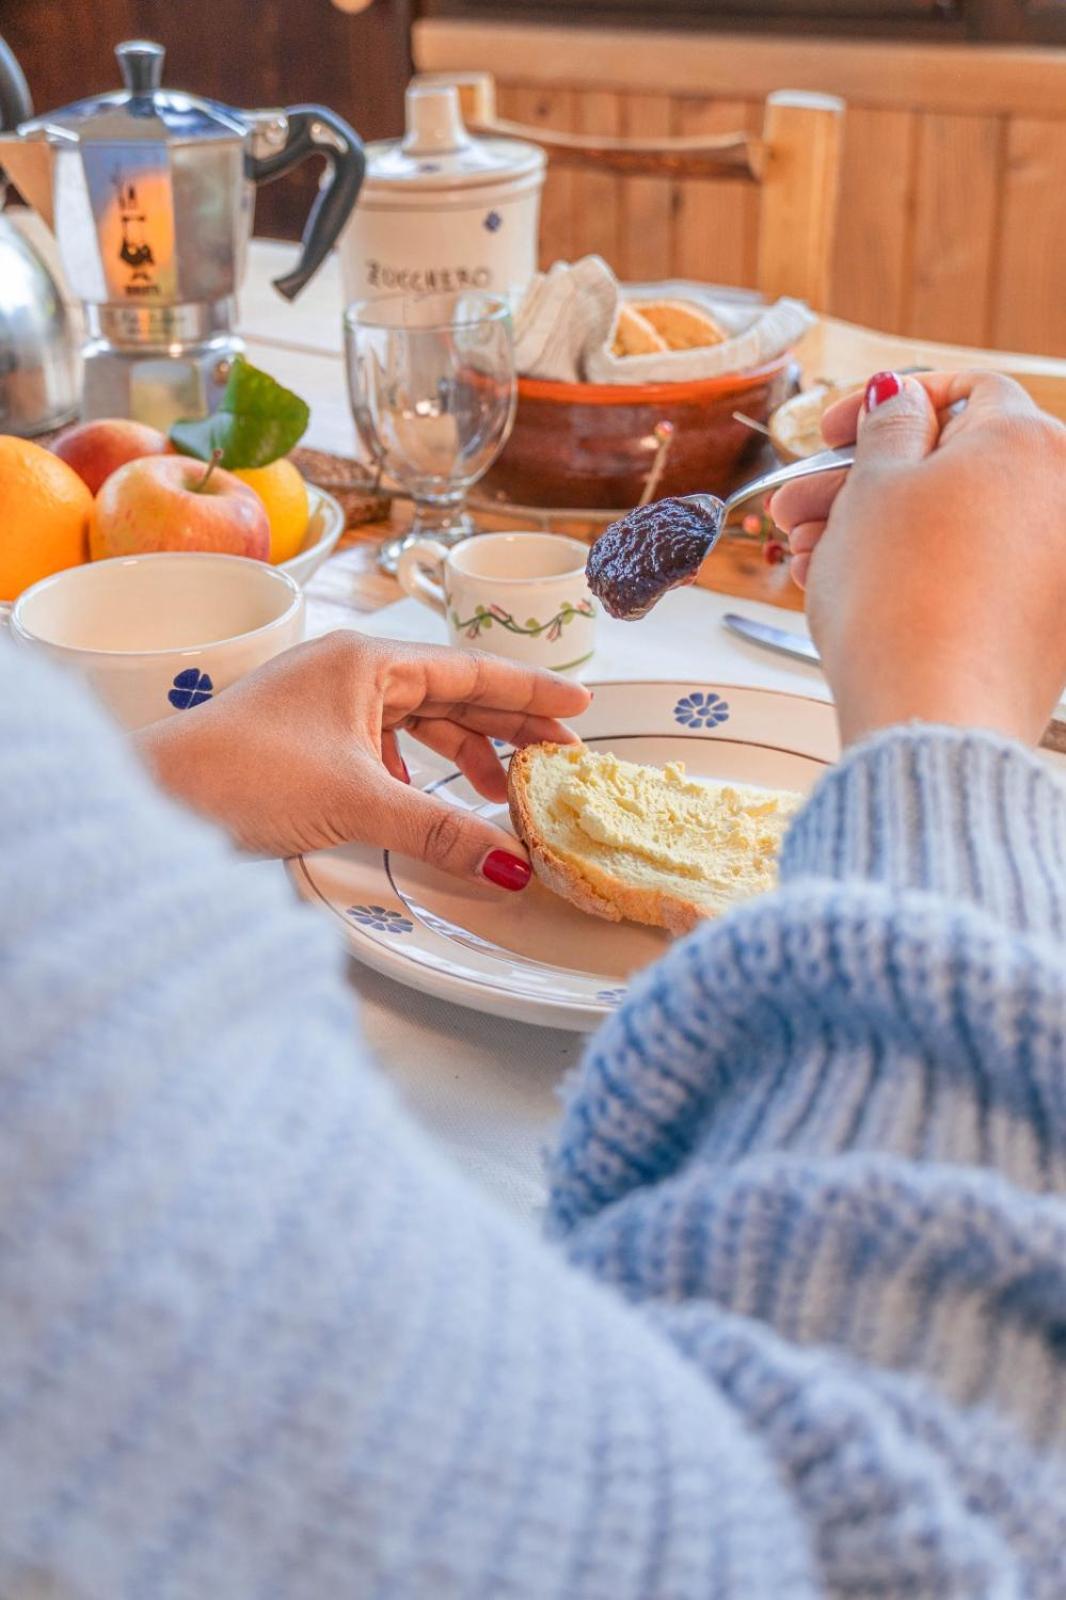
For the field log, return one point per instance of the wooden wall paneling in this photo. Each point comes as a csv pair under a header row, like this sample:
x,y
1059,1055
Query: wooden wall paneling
x,y
596,197
547,108
957,175
1029,308
67,50
951,217
798,195
647,203
961,78
715,224
875,217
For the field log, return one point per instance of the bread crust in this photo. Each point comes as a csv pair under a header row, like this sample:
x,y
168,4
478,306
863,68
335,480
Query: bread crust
x,y
634,334
599,893
683,325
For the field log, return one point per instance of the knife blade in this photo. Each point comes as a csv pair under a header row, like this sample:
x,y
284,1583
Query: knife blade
x,y
787,643
779,639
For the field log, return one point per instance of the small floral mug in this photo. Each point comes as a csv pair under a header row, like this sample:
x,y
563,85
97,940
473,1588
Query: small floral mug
x,y
522,595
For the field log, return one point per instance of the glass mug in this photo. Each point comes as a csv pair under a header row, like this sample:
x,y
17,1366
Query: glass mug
x,y
520,595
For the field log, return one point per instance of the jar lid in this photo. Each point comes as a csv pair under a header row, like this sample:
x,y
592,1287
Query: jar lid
x,y
437,151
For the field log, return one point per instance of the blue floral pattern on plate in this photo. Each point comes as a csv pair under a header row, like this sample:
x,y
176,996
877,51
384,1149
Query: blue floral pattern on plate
x,y
700,710
190,688
381,919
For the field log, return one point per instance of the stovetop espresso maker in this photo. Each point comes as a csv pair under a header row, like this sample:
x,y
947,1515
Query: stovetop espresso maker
x,y
151,193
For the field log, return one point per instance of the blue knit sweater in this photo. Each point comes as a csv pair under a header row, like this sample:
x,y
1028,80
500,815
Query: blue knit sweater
x,y
801,1327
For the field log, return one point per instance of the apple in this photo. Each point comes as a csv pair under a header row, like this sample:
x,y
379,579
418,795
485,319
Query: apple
x,y
97,449
176,503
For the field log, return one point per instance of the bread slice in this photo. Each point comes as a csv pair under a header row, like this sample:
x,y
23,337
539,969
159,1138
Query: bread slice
x,y
683,325
626,841
634,334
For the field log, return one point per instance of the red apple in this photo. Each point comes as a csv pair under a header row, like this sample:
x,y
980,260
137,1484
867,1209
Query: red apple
x,y
175,503
97,449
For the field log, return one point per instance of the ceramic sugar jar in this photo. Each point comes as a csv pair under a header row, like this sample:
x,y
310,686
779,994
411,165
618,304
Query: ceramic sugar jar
x,y
442,210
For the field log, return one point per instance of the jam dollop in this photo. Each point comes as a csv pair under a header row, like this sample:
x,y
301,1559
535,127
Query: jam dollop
x,y
650,550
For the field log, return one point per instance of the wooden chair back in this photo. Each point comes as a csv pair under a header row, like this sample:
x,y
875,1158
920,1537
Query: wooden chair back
x,y
795,162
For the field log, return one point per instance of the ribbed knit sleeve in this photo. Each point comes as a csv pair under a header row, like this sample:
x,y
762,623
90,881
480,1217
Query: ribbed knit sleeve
x,y
960,814
826,1141
258,1341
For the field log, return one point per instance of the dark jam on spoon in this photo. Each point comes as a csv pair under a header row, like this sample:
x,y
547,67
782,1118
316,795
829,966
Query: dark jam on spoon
x,y
650,550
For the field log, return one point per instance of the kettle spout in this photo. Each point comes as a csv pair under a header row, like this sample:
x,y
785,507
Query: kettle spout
x,y
26,158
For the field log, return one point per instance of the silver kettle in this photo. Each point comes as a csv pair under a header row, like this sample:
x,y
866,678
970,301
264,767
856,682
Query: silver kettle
x,y
39,368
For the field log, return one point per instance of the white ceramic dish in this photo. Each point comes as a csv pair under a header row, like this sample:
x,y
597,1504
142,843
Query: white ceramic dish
x,y
157,634
533,956
324,527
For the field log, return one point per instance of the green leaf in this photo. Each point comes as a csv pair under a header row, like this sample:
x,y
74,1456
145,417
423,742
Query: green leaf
x,y
256,422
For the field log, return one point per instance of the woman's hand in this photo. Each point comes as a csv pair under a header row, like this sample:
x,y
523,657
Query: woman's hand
x,y
936,568
302,754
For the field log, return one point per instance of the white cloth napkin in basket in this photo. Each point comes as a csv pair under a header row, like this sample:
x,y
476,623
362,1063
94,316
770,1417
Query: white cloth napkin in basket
x,y
564,328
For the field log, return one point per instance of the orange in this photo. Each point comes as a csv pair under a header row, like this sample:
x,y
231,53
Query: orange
x,y
284,493
44,515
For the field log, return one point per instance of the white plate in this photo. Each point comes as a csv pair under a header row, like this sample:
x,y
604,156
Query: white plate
x,y
324,527
533,956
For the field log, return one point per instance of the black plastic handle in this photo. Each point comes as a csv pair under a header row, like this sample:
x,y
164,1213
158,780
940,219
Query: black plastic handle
x,y
333,204
15,103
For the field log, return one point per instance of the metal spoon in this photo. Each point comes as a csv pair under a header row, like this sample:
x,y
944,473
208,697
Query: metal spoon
x,y
824,461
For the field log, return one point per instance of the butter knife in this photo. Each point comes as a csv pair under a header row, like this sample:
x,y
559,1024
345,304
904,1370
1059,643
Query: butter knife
x,y
779,639
787,643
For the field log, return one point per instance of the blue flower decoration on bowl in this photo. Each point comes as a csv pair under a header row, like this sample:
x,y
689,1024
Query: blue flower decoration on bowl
x,y
700,710
191,688
493,221
611,997
381,919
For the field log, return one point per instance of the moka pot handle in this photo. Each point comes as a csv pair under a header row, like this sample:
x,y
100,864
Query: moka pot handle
x,y
313,130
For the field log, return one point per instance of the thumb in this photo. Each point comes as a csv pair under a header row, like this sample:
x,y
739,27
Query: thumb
x,y
452,838
897,425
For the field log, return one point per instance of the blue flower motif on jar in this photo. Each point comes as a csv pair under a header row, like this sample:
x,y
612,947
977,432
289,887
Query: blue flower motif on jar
x,y
701,709
493,221
190,688
381,919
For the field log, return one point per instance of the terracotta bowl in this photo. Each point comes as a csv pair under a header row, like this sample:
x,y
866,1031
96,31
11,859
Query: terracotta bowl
x,y
593,444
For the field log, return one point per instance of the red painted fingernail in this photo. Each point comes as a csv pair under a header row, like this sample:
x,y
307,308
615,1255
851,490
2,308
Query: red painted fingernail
x,y
881,387
403,770
505,870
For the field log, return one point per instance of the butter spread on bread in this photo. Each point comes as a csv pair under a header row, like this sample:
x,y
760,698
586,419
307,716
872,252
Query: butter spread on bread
x,y
627,841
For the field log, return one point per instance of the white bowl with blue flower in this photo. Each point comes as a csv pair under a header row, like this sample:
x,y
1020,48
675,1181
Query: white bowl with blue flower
x,y
160,634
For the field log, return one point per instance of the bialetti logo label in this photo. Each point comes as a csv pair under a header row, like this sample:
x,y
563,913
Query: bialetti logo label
x,y
417,280
134,249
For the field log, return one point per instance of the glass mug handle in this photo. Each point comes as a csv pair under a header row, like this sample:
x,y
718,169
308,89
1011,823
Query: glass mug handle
x,y
419,573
